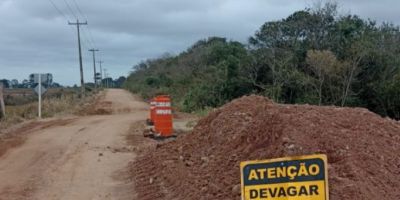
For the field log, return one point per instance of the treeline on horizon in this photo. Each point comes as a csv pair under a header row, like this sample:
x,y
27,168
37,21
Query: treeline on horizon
x,y
14,84
314,56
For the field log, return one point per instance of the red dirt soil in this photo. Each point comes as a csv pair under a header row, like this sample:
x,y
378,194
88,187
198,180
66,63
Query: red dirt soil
x,y
363,151
17,137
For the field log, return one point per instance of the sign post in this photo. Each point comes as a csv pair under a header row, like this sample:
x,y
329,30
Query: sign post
x,y
40,90
40,96
291,178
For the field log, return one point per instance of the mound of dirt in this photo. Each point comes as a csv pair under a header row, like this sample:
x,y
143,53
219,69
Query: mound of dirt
x,y
99,107
362,148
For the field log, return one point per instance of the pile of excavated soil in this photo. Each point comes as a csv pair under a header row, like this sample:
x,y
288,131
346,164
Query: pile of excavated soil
x,y
100,107
363,151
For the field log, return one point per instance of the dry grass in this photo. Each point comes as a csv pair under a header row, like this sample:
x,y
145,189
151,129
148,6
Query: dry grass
x,y
96,106
16,97
63,105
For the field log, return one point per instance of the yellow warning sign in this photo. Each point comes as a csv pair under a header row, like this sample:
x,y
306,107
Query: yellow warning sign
x,y
291,178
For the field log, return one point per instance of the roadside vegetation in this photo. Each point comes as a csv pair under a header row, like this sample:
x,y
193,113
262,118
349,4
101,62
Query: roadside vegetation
x,y
22,105
314,56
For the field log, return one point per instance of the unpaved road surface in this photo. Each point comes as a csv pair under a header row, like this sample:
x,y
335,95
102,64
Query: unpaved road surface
x,y
75,158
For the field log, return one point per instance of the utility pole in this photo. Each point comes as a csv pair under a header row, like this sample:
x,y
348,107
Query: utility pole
x,y
2,106
101,73
78,24
105,77
94,67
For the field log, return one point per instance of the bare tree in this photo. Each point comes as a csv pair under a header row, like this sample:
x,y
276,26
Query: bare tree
x,y
359,51
322,63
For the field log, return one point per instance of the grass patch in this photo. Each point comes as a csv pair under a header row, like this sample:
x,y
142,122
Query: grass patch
x,y
63,104
203,112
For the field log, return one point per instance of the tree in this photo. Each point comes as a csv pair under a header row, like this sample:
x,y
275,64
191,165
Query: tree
x,y
313,56
322,64
6,83
120,81
358,51
14,83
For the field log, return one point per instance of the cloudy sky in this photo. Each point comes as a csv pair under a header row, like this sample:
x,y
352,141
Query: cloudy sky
x,y
35,37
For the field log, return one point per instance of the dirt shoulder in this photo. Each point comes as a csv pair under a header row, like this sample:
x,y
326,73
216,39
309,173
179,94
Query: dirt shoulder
x,y
84,157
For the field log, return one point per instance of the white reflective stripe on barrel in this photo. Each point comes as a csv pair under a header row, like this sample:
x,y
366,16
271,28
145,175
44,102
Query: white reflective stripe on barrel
x,y
164,112
163,104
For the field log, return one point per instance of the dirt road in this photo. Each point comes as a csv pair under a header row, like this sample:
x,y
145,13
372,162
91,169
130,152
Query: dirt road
x,y
75,157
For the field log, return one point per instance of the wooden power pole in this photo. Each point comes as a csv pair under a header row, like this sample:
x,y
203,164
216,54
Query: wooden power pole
x,y
78,24
94,67
101,73
2,106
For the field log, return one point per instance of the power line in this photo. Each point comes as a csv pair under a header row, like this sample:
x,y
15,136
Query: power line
x,y
67,19
91,36
85,17
58,10
79,10
86,41
78,24
86,38
70,9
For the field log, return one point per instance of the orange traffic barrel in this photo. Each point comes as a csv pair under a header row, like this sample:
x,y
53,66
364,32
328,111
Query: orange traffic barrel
x,y
163,116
